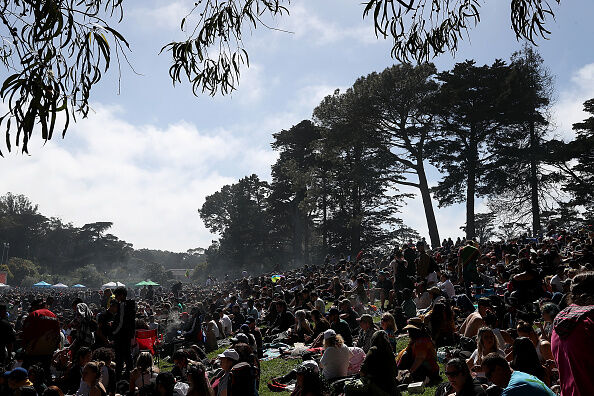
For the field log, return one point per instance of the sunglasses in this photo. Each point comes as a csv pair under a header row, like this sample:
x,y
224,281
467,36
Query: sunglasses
x,y
452,373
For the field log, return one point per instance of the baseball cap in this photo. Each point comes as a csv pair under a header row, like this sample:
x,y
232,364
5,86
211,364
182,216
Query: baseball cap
x,y
329,334
229,354
240,337
17,374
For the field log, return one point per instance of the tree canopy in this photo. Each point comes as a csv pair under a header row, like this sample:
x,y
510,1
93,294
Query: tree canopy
x,y
55,51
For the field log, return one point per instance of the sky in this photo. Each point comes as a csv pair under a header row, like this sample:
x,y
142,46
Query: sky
x,y
150,152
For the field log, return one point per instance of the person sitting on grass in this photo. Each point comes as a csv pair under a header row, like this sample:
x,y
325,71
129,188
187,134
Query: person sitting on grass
x,y
460,381
419,357
198,381
512,382
379,368
144,371
336,357
388,324
308,380
340,326
486,343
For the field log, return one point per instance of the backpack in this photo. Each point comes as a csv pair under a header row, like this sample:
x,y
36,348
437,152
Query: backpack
x,y
243,380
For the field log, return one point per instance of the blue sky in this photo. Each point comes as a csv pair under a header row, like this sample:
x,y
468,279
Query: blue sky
x,y
146,158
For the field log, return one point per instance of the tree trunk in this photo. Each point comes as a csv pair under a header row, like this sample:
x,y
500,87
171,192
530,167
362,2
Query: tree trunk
x,y
427,205
534,182
356,222
324,216
471,189
298,228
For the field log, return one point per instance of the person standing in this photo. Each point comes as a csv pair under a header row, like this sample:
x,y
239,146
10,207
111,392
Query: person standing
x,y
124,332
40,336
467,261
7,336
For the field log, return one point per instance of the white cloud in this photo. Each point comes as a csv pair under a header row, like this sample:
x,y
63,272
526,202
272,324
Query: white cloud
x,y
149,181
309,96
569,108
320,31
161,14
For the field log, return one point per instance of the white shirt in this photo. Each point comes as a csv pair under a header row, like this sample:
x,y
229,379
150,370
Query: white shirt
x,y
556,284
335,362
424,301
448,288
213,325
227,324
431,278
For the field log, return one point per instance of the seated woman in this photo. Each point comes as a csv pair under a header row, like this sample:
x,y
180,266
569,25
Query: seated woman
x,y
144,371
460,381
388,324
301,329
441,324
419,357
320,325
486,342
89,384
198,381
379,369
525,359
336,357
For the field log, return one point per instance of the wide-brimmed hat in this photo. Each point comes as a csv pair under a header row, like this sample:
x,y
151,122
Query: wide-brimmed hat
x,y
414,323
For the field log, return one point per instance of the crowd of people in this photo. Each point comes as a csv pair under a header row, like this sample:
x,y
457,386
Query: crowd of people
x,y
502,318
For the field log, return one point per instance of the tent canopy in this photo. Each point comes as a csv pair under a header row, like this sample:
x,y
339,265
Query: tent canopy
x,y
147,283
2,286
42,284
59,286
113,284
78,286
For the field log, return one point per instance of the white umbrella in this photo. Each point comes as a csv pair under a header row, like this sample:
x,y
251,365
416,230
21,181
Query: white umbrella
x,y
2,286
109,284
59,286
120,284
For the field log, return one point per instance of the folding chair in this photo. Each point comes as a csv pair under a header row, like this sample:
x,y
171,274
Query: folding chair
x,y
148,340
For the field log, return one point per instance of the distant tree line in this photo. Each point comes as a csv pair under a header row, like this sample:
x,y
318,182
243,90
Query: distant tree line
x,y
335,185
35,247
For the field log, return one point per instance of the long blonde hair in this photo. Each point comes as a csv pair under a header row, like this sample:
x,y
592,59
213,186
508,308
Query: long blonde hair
x,y
479,343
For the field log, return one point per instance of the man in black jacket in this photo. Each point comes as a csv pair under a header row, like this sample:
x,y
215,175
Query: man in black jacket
x,y
124,332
